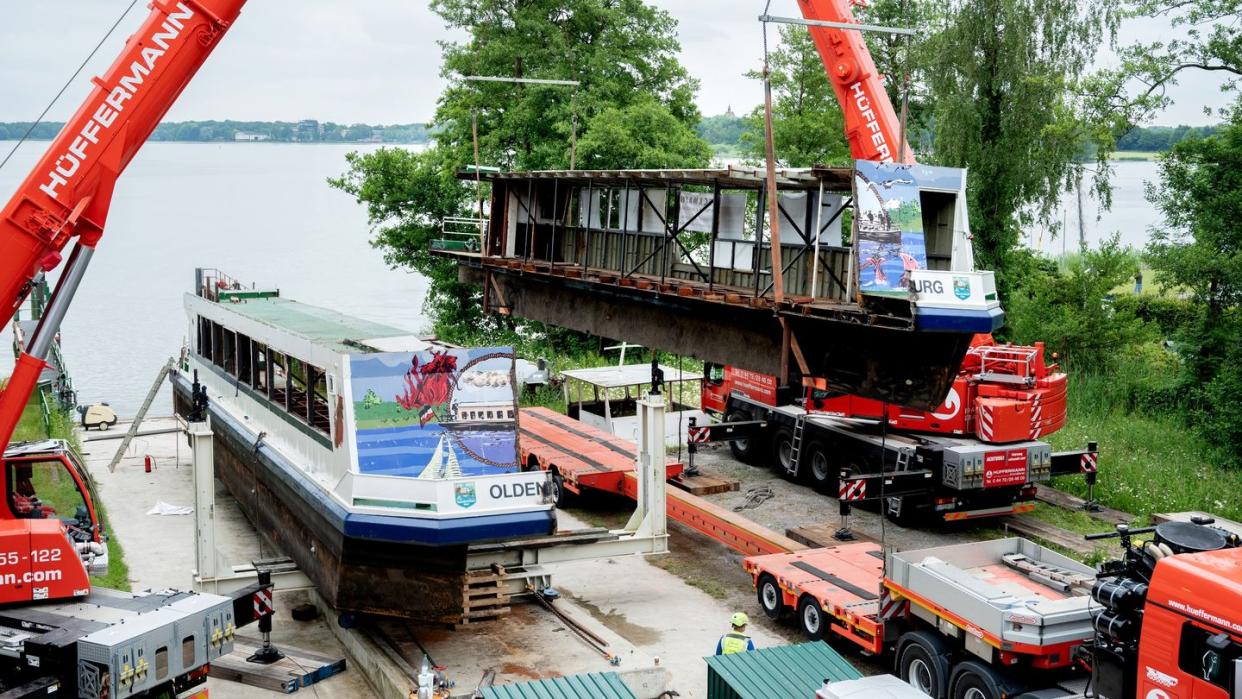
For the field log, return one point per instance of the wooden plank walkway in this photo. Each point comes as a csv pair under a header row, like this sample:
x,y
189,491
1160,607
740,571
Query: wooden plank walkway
x,y
1025,525
1066,501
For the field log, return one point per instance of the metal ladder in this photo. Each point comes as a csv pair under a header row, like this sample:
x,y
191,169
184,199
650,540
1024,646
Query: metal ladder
x,y
795,446
903,460
142,413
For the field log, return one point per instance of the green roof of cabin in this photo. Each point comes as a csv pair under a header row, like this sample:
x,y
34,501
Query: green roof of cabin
x,y
321,326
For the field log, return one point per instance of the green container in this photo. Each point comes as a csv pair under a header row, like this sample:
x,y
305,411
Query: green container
x,y
784,672
596,685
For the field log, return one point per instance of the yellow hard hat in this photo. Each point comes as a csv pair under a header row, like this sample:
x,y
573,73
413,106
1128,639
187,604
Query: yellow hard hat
x,y
740,619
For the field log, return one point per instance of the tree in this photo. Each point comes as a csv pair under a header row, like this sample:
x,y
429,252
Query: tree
x,y
644,134
1004,76
624,54
1199,248
371,400
807,125
1211,41
621,51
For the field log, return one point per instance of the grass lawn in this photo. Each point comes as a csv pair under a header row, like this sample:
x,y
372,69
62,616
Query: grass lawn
x,y
1136,155
1148,463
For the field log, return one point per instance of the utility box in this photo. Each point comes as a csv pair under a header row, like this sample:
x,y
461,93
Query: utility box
x,y
785,671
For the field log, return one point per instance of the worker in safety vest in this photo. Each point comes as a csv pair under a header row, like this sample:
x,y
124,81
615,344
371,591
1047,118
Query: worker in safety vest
x,y
736,641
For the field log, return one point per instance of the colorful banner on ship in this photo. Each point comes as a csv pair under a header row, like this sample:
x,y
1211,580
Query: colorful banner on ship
x,y
888,227
442,413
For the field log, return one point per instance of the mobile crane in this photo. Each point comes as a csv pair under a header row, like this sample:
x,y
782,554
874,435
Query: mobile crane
x,y
979,454
56,633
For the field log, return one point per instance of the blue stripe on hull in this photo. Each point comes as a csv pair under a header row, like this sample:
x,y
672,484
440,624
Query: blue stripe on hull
x,y
958,319
387,528
447,532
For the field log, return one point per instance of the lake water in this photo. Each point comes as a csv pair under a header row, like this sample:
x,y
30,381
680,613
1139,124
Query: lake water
x,y
259,212
262,212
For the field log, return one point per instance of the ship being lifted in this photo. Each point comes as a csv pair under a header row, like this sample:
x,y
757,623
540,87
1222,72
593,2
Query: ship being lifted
x,y
878,295
372,457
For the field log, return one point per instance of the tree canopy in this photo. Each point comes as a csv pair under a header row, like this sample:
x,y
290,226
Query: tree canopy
x,y
1003,76
634,107
807,125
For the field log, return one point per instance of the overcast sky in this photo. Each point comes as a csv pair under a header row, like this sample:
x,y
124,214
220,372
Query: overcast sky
x,y
374,61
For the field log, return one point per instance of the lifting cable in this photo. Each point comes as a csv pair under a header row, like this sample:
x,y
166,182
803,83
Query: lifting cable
x,y
68,82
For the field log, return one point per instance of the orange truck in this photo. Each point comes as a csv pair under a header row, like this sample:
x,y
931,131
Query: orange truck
x,y
1009,618
979,454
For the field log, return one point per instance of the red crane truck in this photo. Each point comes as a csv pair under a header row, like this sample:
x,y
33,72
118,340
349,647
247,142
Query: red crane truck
x,y
976,455
57,635
1009,618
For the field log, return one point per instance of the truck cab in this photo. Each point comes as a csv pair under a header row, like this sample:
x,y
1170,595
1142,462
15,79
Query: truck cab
x,y
51,524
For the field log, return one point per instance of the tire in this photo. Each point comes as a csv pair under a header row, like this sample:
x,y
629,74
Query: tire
x,y
771,599
923,663
976,680
782,451
745,450
821,469
564,498
811,618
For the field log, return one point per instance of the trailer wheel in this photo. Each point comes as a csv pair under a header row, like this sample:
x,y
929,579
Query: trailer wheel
x,y
923,663
745,450
811,618
821,468
976,680
782,452
563,496
770,597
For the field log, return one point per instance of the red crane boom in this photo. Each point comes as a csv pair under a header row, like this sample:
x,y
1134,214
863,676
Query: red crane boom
x,y
871,124
69,192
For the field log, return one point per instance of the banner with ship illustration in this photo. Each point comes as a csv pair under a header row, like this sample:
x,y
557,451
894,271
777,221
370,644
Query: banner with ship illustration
x,y
441,413
888,227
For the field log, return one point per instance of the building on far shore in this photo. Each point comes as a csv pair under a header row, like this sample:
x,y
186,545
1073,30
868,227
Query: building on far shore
x,y
243,136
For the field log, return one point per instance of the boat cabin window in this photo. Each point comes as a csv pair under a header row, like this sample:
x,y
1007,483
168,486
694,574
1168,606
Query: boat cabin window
x,y
45,490
319,418
228,354
296,389
245,358
259,379
217,344
204,338
278,371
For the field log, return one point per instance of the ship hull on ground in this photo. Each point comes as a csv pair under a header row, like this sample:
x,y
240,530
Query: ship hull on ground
x,y
390,566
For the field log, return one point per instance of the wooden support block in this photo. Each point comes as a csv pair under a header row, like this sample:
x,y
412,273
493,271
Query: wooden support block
x,y
299,668
704,484
820,535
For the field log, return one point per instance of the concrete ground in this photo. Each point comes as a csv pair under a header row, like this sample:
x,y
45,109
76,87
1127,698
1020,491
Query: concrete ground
x,y
666,612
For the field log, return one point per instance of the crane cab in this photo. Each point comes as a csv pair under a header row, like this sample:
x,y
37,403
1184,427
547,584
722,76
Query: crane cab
x,y
51,538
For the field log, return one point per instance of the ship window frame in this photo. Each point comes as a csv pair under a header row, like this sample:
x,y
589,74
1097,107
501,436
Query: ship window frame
x,y
258,351
204,338
189,652
283,363
314,402
291,376
245,358
161,663
228,359
217,343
